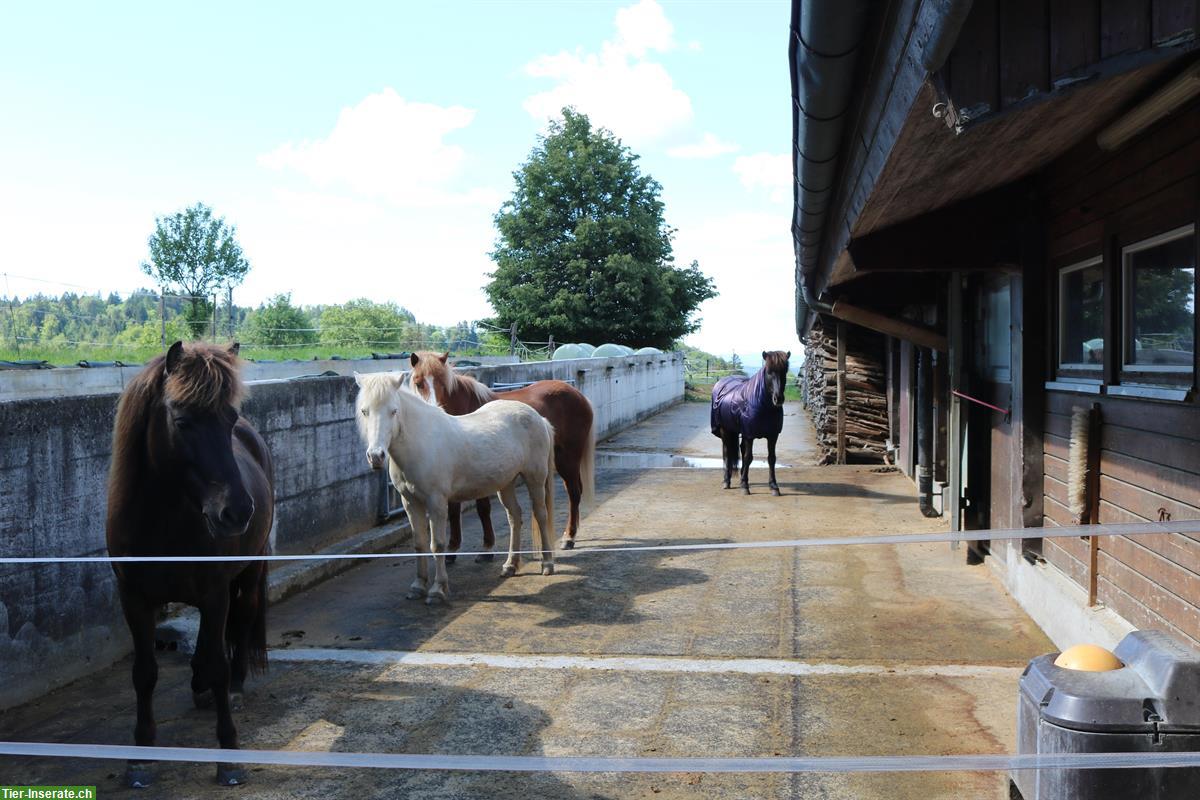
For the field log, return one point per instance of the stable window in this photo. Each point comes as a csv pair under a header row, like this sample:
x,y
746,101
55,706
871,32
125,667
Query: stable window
x,y
1081,318
1159,315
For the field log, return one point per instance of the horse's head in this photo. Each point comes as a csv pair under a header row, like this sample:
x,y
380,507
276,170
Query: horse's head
x,y
775,368
379,413
430,379
201,394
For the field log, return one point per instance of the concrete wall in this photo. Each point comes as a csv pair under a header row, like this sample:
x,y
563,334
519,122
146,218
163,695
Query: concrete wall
x,y
58,622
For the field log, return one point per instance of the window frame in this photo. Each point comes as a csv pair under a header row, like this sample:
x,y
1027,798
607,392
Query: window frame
x,y
1145,374
1093,372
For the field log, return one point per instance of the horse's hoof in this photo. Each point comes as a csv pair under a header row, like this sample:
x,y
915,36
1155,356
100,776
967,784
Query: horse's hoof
x,y
235,701
435,596
230,775
548,568
414,594
203,700
485,558
138,774
775,491
745,490
567,544
726,486
450,559
508,570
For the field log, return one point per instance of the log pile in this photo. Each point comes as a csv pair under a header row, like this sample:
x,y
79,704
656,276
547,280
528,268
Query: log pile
x,y
865,391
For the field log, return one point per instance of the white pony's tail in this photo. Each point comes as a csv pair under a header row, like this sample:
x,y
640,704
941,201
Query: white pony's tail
x,y
587,467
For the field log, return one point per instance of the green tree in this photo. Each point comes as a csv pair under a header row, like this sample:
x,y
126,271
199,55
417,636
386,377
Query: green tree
x,y
194,253
278,322
361,322
584,253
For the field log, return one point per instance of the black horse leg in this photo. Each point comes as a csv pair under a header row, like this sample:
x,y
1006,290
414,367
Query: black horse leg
x,y
140,617
747,457
771,464
483,507
729,451
214,671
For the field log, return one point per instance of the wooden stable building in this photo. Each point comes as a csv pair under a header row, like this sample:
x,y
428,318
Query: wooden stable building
x,y
1009,193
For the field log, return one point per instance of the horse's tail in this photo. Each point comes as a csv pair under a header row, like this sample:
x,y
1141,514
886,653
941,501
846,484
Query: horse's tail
x,y
587,465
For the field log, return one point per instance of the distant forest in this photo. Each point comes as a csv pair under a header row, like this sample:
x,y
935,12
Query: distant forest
x,y
71,327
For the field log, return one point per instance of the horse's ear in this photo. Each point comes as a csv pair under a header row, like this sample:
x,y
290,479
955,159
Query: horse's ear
x,y
764,355
173,356
235,348
398,379
444,356
789,354
358,378
414,359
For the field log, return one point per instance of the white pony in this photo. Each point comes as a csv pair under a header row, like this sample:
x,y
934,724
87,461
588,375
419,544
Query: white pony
x,y
437,459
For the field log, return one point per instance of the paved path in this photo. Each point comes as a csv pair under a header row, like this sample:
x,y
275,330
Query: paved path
x,y
858,650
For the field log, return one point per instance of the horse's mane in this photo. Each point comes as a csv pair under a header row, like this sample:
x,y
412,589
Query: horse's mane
x,y
377,386
458,381
205,377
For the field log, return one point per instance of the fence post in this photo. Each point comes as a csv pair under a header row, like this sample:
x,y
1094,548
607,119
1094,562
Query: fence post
x,y
229,305
512,340
551,348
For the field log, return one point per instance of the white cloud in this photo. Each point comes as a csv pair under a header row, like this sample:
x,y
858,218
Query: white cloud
x,y
749,256
709,146
618,88
644,27
766,171
389,148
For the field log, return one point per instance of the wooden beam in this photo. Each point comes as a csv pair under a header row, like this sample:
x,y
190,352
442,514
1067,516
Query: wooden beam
x,y
901,329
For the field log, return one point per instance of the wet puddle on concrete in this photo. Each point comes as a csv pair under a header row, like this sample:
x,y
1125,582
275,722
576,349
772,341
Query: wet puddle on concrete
x,y
619,459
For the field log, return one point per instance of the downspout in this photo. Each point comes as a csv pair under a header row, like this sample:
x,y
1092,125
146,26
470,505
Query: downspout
x,y
825,39
925,432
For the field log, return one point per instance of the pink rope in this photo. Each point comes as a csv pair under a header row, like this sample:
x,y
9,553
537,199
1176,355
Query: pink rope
x,y
1003,411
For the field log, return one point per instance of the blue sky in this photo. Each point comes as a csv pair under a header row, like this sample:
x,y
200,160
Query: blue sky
x,y
363,149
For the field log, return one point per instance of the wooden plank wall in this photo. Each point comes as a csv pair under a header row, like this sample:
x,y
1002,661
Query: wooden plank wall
x,y
1011,50
1150,457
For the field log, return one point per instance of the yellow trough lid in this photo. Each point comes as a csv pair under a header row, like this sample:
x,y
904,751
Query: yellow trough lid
x,y
1087,658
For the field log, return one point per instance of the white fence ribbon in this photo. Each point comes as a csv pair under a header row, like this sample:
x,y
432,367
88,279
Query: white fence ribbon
x,y
1188,526
485,763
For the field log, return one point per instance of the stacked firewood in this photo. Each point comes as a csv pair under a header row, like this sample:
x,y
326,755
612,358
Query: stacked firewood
x,y
865,391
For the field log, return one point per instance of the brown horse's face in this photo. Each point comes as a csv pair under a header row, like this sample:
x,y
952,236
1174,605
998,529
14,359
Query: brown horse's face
x,y
200,447
201,444
775,364
428,379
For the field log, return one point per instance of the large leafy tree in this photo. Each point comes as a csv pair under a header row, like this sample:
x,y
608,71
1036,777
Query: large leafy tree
x,y
193,253
584,253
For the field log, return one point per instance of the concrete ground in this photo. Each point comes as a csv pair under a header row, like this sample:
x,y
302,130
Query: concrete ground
x,y
890,650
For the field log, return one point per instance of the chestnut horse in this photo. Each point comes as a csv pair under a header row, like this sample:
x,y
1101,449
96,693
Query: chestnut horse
x,y
191,477
750,408
564,406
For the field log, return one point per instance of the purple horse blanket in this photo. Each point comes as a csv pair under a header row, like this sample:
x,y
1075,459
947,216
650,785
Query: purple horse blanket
x,y
743,405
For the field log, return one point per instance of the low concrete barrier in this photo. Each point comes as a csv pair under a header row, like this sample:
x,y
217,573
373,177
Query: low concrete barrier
x,y
61,621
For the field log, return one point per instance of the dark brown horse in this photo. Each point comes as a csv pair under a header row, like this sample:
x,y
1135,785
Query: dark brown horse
x,y
190,477
560,403
750,408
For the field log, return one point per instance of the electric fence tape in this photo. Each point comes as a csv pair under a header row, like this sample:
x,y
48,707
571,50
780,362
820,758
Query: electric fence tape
x,y
1189,526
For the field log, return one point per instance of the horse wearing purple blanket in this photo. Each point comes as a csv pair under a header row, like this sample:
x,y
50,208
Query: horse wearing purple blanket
x,y
750,408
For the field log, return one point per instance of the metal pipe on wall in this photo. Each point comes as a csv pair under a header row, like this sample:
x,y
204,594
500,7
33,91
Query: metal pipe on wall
x,y
925,432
